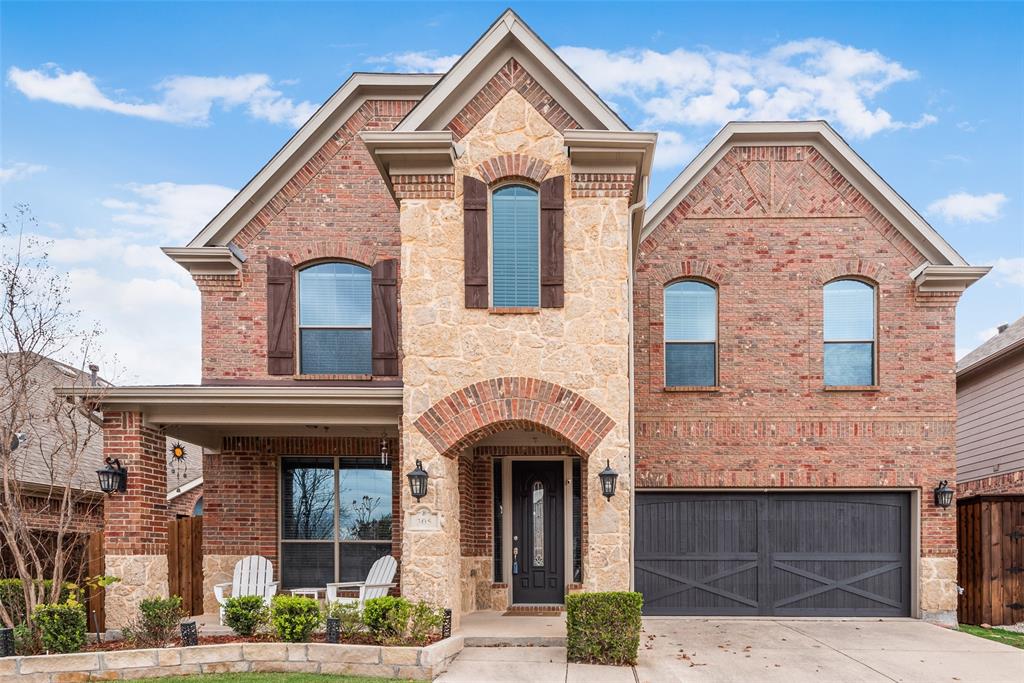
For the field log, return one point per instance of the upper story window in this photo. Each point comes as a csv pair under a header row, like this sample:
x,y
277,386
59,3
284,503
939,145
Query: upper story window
x,y
515,247
335,320
849,333
691,334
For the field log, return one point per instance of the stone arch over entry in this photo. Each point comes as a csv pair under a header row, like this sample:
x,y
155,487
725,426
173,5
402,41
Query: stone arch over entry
x,y
506,403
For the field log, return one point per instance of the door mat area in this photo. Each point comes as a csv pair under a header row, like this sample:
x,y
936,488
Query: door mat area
x,y
533,612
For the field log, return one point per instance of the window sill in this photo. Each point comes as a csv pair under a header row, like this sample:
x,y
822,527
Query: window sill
x,y
513,310
871,387
692,390
313,378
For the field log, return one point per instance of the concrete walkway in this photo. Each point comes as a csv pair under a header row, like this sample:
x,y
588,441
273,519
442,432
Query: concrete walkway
x,y
788,651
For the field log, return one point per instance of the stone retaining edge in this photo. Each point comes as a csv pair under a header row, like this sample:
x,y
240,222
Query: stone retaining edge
x,y
414,663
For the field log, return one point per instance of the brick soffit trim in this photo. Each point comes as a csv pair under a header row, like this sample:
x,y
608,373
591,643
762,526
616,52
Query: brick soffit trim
x,y
506,403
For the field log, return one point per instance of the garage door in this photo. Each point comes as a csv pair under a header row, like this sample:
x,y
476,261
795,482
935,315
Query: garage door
x,y
785,554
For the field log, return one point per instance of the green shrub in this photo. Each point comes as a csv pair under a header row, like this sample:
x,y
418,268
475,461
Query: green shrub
x,y
387,618
245,614
603,628
294,617
156,623
12,596
425,622
27,640
350,621
61,627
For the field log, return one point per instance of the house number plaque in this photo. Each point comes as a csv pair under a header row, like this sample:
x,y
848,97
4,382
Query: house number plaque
x,y
424,519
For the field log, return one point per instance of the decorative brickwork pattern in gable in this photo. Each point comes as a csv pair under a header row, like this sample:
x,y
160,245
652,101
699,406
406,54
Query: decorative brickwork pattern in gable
x,y
602,184
769,226
512,166
511,76
506,403
336,207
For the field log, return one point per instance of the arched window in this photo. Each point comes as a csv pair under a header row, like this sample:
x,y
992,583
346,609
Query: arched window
x,y
197,509
849,333
515,247
691,334
334,320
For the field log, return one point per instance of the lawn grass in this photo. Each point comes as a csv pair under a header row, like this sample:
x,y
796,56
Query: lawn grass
x,y
997,634
276,678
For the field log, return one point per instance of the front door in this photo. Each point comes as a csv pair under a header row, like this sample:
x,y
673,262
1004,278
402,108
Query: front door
x,y
538,532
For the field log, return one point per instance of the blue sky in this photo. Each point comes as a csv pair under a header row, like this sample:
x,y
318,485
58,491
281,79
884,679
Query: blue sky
x,y
125,126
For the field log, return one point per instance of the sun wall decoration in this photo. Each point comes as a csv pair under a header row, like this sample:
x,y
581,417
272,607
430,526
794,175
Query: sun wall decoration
x,y
178,459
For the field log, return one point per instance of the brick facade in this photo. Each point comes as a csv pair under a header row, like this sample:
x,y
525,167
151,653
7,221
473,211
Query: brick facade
x,y
1006,484
184,505
768,227
135,523
336,206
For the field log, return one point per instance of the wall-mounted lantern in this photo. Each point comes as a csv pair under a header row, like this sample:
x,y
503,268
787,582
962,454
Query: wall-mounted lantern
x,y
943,494
418,481
609,477
113,477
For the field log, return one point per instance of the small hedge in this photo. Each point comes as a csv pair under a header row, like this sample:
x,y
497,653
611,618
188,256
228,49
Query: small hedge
x,y
603,628
12,596
245,614
294,617
62,627
156,623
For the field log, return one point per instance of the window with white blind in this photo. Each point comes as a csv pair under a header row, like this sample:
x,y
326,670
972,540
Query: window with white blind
x,y
691,334
849,332
334,320
515,247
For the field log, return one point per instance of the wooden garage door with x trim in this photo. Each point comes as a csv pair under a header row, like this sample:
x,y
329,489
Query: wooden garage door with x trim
x,y
782,554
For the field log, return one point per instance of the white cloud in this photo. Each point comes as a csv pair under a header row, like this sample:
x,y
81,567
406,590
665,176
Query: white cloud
x,y
673,151
19,171
177,212
184,99
1008,271
805,79
418,62
986,334
961,207
151,324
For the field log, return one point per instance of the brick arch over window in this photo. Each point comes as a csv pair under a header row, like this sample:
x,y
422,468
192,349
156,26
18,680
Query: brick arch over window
x,y
507,403
666,273
360,254
512,166
855,269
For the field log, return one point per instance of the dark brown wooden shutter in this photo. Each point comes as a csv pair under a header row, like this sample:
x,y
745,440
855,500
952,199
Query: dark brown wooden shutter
x,y
280,317
474,207
552,242
385,318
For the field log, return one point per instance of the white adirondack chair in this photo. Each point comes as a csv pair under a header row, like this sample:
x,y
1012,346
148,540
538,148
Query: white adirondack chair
x,y
377,583
254,575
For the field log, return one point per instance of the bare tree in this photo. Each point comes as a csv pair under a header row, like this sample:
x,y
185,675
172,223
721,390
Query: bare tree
x,y
41,432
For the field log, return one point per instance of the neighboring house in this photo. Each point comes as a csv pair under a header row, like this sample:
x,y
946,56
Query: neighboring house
x,y
42,465
457,273
990,418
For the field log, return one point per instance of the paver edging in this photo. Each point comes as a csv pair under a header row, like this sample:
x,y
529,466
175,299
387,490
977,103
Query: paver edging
x,y
416,663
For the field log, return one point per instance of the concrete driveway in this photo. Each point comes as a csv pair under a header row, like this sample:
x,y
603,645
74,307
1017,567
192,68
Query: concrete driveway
x,y
830,650
789,651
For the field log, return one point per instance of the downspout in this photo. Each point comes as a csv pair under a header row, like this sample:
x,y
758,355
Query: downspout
x,y
638,206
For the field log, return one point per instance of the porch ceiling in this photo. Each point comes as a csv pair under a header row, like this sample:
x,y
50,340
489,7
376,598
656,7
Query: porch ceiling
x,y
206,414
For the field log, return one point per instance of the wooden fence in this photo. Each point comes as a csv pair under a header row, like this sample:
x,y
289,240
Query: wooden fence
x,y
990,567
185,562
95,566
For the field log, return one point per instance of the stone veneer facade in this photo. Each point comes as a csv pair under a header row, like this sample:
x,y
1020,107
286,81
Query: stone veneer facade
x,y
583,347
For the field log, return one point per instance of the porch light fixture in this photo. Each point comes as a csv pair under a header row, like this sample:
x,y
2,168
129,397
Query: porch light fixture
x,y
113,477
943,494
418,481
609,477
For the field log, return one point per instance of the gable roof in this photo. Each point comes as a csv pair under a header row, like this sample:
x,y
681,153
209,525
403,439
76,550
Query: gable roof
x,y
837,151
1006,341
304,144
510,37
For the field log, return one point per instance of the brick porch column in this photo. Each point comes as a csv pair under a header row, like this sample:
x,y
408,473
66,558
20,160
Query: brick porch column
x,y
135,522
